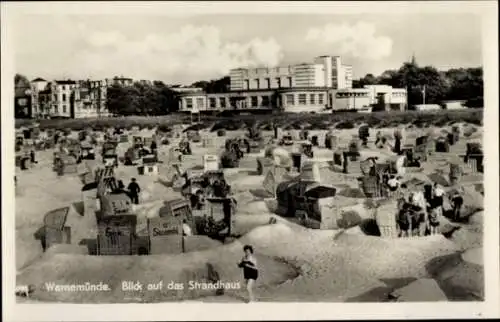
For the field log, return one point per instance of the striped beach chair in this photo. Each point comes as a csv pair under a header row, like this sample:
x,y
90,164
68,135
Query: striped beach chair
x,y
473,163
102,173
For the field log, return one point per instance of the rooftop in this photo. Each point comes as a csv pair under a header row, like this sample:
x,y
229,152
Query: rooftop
x,y
65,82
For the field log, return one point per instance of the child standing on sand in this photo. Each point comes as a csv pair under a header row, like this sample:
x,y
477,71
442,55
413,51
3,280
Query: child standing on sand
x,y
250,270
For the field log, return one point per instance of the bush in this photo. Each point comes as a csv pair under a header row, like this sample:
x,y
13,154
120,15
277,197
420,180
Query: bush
x,y
345,125
288,120
221,132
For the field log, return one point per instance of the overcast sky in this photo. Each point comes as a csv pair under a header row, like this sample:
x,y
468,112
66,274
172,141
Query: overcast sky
x,y
183,50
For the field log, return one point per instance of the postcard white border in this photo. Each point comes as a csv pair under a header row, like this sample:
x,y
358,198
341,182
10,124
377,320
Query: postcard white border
x,y
257,311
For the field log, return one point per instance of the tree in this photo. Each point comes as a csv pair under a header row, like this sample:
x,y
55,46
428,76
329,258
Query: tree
x,y
454,84
141,99
369,79
465,83
221,85
21,84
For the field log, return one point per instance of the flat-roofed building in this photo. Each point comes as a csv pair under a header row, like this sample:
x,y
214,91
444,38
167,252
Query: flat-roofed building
x,y
378,97
324,71
244,100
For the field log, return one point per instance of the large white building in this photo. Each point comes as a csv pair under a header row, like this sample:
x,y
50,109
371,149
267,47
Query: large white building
x,y
324,71
325,84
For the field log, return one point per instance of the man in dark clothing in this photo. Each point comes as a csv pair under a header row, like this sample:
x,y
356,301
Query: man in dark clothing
x,y
457,201
153,146
134,191
32,157
345,162
397,145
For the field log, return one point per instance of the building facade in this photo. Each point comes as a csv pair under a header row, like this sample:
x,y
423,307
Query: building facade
x,y
38,88
62,92
245,100
67,98
377,97
297,99
122,81
324,71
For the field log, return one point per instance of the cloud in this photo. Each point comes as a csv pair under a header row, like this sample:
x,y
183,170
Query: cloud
x,y
193,53
358,40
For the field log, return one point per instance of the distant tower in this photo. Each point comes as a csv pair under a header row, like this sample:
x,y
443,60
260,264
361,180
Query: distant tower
x,y
413,59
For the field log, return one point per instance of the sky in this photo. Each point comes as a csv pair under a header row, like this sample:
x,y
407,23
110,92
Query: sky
x,y
181,50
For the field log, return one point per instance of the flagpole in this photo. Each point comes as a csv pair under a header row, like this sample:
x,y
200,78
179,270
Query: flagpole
x,y
407,94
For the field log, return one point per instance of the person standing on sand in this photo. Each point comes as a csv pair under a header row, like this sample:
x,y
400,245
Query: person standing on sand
x,y
250,270
456,201
134,191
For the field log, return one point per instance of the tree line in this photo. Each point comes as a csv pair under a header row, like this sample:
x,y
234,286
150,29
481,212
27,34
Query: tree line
x,y
454,84
141,99
157,98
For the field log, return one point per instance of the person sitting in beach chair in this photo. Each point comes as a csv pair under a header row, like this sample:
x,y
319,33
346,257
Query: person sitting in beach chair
x,y
434,217
404,218
418,206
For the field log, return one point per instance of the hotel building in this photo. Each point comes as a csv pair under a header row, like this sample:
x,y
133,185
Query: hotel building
x,y
323,85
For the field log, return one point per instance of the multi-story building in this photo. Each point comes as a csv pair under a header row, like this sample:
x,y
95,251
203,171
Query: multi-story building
x,y
324,71
65,98
325,84
62,91
38,85
123,81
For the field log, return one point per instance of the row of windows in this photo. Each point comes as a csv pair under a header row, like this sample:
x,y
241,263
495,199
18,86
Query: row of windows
x,y
267,83
199,102
267,71
56,109
302,99
65,97
212,102
343,95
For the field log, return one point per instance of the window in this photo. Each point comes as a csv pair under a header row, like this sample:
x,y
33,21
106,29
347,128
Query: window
x,y
64,97
212,102
222,102
302,99
289,99
321,99
247,84
233,102
64,88
257,83
265,101
200,102
312,99
189,103
290,82
54,97
268,83
254,101
278,81
64,108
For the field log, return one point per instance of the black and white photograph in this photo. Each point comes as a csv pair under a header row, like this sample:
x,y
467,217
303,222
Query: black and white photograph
x,y
243,156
